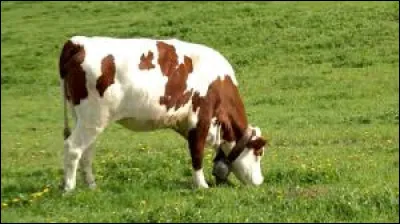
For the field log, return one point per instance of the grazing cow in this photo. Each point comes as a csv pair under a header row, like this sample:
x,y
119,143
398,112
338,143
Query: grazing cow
x,y
146,84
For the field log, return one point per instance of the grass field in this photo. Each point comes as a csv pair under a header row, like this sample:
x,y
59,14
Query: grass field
x,y
320,79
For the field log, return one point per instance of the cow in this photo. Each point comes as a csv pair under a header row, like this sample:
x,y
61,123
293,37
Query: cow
x,y
147,84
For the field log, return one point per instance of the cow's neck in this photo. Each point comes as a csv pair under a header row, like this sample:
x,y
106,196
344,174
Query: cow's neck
x,y
224,100
231,115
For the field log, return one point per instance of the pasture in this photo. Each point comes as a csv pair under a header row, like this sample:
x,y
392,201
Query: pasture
x,y
321,79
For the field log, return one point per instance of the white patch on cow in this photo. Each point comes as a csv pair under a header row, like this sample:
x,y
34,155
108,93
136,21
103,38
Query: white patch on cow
x,y
227,147
214,134
193,118
257,129
199,180
247,168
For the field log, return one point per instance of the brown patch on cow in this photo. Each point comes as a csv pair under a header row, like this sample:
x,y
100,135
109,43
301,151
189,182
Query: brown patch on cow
x,y
257,144
107,74
196,101
223,102
71,58
188,64
174,95
146,61
167,58
228,108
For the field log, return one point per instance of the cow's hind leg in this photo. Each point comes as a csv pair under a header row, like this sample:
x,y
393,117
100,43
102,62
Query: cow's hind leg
x,y
86,166
74,146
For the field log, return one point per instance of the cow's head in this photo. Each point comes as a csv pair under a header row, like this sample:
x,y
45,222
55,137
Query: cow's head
x,y
244,159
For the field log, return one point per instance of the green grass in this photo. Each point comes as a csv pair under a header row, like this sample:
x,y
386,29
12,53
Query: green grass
x,y
320,79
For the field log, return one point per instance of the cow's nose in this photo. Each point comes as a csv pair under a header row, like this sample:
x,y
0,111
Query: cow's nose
x,y
258,181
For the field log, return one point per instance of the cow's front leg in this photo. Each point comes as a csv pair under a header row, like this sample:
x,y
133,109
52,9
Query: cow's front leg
x,y
197,139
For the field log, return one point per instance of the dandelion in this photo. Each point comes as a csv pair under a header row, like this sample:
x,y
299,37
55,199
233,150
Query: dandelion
x,y
37,194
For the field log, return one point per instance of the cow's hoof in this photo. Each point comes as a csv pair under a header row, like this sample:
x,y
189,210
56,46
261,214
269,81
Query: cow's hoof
x,y
92,185
64,188
66,193
201,185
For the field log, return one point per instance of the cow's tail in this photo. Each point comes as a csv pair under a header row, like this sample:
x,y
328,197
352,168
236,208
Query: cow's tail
x,y
67,130
68,51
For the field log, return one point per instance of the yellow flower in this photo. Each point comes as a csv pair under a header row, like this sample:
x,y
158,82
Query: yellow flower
x,y
37,194
46,190
200,197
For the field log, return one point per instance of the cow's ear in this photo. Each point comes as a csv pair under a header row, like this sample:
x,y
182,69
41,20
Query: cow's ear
x,y
257,143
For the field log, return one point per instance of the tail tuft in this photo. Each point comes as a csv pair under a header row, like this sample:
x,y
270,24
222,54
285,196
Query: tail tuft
x,y
67,132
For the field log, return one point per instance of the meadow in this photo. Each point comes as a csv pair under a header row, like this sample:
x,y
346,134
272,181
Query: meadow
x,y
321,79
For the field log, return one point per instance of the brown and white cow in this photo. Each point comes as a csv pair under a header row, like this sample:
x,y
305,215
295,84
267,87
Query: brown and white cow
x,y
145,84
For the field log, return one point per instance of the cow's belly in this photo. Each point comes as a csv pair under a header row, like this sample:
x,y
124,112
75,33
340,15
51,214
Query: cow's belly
x,y
140,110
135,124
